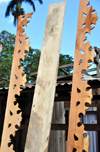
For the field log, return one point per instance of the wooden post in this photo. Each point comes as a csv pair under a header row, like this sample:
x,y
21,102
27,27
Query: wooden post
x,y
97,50
42,108
1,116
98,122
96,60
57,137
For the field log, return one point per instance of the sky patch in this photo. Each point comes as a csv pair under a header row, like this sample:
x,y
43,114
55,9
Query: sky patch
x,y
4,1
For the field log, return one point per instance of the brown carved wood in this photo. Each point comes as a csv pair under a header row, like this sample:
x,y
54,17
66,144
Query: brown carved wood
x,y
80,94
13,112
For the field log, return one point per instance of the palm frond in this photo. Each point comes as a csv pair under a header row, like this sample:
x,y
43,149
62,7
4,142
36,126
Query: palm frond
x,y
15,20
40,1
31,3
10,7
22,11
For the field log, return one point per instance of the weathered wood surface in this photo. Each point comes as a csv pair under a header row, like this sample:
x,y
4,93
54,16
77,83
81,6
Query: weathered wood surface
x,y
98,117
42,108
13,112
57,137
80,95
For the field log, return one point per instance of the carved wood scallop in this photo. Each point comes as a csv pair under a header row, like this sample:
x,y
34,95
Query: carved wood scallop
x,y
80,94
13,112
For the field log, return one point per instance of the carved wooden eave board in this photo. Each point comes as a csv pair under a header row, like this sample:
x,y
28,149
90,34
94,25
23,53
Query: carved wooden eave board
x,y
13,112
42,108
81,92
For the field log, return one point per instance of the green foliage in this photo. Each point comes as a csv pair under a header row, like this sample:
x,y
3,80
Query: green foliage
x,y
14,7
65,59
30,63
7,40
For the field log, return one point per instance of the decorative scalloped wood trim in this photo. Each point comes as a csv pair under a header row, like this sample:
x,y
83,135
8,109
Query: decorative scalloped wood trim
x,y
80,94
13,112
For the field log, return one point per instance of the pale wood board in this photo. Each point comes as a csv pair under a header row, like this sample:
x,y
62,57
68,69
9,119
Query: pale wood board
x,y
42,108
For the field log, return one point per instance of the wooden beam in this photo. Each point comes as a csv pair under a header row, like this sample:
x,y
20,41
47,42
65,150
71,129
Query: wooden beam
x,y
96,50
96,98
88,127
65,76
62,98
96,60
93,69
66,66
64,71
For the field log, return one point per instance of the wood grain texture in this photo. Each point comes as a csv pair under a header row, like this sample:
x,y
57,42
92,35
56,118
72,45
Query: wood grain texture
x,y
13,112
42,108
80,95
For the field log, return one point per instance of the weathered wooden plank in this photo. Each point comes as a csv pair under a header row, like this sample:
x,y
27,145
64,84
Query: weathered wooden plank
x,y
57,137
42,108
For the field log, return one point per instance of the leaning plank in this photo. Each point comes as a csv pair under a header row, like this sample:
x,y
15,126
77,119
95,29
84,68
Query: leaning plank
x,y
81,92
13,112
42,108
